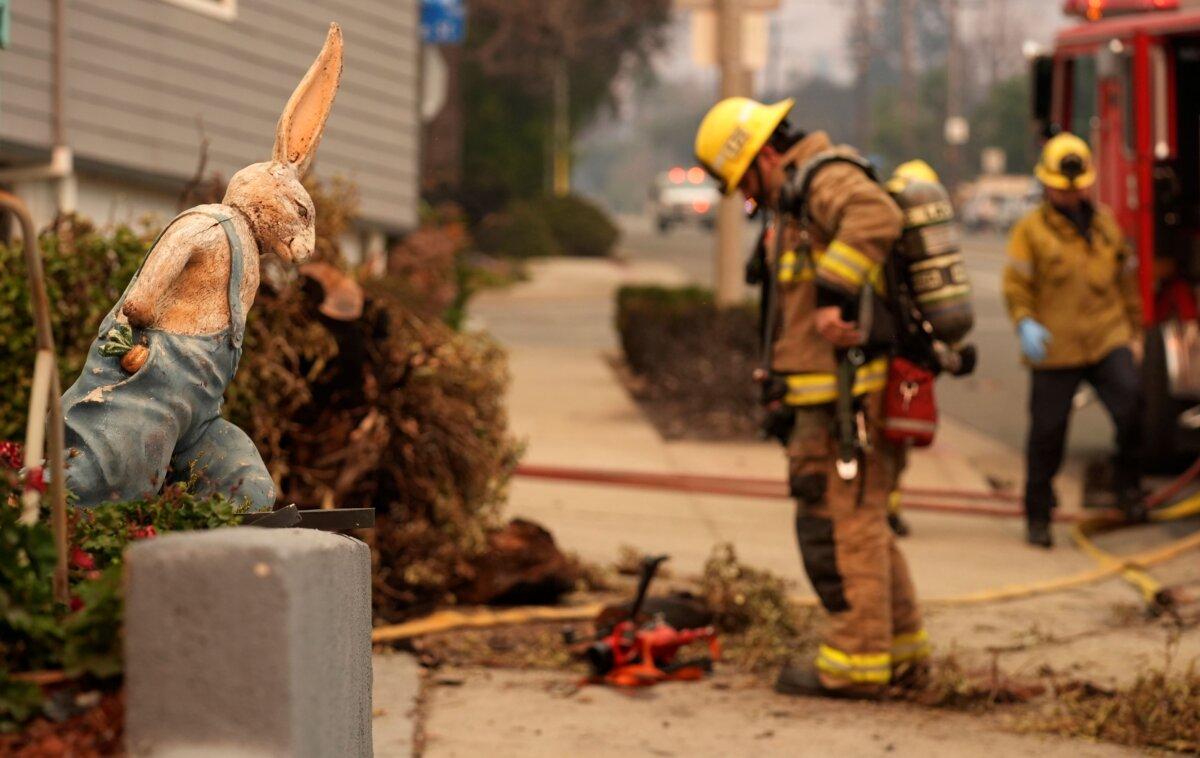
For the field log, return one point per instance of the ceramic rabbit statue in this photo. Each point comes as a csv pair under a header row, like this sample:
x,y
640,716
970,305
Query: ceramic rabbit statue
x,y
148,401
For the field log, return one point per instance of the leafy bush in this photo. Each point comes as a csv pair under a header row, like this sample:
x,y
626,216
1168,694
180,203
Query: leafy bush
x,y
520,231
37,633
84,277
579,226
692,362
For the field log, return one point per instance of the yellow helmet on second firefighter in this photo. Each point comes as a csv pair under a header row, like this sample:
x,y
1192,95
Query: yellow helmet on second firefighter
x,y
1066,164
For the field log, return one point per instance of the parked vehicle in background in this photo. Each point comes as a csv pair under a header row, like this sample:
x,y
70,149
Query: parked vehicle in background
x,y
995,203
684,196
1128,81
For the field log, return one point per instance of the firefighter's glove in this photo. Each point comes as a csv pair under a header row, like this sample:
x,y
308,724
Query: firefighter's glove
x,y
778,422
778,417
1034,338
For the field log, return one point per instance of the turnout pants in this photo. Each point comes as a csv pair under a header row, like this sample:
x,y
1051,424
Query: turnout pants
x,y
850,555
1051,396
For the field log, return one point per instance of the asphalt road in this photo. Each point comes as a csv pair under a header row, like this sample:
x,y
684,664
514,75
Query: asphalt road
x,y
994,400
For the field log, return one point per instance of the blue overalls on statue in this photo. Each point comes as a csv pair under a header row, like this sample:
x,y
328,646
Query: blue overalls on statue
x,y
124,433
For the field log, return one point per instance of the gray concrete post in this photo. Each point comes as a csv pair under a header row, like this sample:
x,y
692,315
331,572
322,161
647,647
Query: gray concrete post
x,y
248,641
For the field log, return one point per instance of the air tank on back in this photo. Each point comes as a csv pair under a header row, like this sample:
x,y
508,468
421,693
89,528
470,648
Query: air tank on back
x,y
932,259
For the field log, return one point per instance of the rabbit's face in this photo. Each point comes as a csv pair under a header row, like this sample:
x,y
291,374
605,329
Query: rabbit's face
x,y
280,212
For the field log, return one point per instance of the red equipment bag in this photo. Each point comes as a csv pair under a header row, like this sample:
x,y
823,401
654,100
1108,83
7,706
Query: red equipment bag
x,y
910,410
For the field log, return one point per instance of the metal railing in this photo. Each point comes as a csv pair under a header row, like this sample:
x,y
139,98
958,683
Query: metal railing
x,y
45,403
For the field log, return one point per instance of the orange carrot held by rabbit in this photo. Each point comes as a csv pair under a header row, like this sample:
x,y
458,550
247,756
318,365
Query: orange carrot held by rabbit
x,y
147,404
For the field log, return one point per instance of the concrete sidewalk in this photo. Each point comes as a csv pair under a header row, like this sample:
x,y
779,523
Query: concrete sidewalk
x,y
568,405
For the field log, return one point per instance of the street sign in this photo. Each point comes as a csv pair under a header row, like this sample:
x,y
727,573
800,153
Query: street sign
x,y
958,131
5,23
435,83
443,22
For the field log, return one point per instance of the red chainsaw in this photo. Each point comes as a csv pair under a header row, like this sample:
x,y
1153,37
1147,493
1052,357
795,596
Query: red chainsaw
x,y
640,650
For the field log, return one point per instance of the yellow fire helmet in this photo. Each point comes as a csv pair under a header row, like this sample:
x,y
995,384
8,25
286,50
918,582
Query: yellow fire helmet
x,y
1066,163
732,133
913,171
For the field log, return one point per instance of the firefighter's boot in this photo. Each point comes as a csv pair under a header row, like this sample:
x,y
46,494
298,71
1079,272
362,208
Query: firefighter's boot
x,y
801,678
896,522
1039,534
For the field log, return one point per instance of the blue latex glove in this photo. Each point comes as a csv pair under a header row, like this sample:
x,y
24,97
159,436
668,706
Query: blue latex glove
x,y
1034,338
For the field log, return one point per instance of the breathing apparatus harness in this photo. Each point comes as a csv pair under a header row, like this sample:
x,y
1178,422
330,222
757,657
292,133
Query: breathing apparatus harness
x,y
894,324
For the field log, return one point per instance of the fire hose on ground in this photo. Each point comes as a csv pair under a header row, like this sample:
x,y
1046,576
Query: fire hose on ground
x,y
1132,568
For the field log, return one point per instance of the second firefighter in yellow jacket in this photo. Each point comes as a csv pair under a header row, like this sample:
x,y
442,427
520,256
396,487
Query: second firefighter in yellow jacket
x,y
1071,287
837,230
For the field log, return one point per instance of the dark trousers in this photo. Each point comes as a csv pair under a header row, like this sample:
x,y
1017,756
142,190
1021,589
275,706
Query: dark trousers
x,y
1116,381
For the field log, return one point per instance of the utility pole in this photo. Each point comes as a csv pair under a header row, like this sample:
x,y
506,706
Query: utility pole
x,y
561,158
862,73
908,74
731,217
954,104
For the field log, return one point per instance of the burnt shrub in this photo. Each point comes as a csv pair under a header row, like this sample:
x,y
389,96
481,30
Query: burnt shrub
x,y
690,363
579,226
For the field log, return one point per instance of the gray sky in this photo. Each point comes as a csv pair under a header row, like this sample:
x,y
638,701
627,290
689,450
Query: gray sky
x,y
811,34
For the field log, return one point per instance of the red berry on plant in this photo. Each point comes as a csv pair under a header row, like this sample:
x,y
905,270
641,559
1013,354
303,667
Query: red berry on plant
x,y
82,559
76,603
11,454
143,532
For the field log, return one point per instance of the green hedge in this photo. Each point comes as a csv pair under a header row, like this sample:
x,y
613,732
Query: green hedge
x,y
580,227
83,281
520,231
567,225
84,639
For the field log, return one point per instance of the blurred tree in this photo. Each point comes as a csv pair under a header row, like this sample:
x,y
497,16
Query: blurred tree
x,y
1003,120
522,56
1000,120
894,142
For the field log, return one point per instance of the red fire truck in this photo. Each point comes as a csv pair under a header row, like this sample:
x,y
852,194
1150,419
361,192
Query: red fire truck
x,y
1127,79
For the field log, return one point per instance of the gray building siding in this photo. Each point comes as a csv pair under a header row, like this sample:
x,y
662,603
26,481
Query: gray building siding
x,y
142,74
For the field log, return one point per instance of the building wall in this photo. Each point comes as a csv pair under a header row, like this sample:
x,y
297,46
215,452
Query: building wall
x,y
144,75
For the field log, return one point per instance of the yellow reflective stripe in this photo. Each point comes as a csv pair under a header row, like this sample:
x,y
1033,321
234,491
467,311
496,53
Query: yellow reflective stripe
x,y
832,268
874,668
814,389
877,281
787,266
844,262
911,647
851,256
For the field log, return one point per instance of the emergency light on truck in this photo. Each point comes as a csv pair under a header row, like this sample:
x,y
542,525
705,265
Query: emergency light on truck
x,y
1094,10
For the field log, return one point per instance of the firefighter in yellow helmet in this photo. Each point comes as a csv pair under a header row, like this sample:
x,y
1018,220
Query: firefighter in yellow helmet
x,y
833,228
1072,292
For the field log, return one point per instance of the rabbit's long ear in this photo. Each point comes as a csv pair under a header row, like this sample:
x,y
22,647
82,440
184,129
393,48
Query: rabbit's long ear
x,y
303,119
